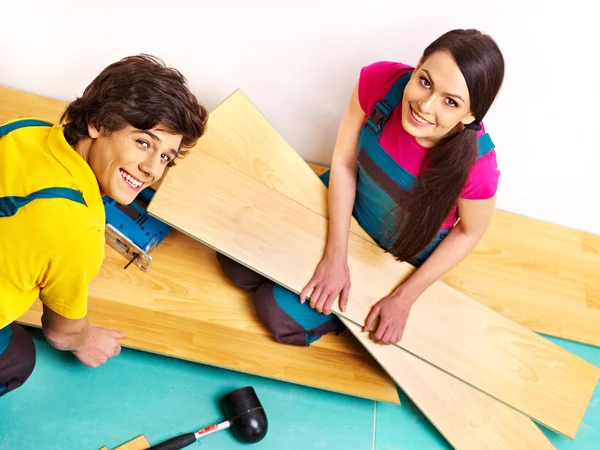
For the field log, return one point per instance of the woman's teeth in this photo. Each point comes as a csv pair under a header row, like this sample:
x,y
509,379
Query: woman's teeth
x,y
418,119
132,181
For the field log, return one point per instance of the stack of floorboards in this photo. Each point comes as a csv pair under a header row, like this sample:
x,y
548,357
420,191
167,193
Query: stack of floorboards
x,y
470,357
184,307
479,376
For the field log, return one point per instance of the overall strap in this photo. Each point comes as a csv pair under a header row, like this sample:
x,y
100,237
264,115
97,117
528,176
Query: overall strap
x,y
484,145
383,108
5,129
11,204
5,335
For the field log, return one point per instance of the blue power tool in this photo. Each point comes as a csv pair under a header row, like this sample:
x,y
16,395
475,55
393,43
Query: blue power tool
x,y
132,231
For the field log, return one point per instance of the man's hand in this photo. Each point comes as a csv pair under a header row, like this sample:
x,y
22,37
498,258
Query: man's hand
x,y
93,346
392,312
99,344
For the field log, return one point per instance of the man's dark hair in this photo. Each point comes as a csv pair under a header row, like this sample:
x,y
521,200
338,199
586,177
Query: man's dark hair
x,y
142,92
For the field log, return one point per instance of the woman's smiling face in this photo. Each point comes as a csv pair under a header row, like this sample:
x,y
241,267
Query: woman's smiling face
x,y
436,100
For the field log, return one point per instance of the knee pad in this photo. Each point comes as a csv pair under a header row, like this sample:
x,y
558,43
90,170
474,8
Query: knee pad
x,y
244,278
17,361
290,321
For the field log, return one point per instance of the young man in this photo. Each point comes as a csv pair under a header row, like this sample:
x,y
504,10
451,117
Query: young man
x,y
131,123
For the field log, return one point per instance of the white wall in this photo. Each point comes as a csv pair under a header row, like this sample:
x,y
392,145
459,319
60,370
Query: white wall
x,y
297,61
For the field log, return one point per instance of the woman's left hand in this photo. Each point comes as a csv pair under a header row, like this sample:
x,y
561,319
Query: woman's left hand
x,y
392,312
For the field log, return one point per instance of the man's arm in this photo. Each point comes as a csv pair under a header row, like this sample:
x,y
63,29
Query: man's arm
x,y
93,346
62,333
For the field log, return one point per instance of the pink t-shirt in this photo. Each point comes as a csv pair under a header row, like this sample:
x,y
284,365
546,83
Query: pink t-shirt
x,y
374,82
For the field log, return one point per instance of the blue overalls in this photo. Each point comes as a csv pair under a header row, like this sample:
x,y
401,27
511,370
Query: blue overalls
x,y
381,184
9,206
5,335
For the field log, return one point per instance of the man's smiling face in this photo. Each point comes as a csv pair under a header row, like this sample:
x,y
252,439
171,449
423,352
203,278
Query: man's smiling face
x,y
129,160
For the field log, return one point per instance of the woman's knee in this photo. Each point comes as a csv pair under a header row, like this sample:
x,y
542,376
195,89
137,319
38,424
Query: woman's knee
x,y
290,321
17,361
244,278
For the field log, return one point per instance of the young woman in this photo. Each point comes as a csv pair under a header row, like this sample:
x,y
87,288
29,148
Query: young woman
x,y
131,122
416,168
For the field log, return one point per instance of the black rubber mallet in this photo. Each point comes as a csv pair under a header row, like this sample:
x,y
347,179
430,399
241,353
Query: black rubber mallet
x,y
245,416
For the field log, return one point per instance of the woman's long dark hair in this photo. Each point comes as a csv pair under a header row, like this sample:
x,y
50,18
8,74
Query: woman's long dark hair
x,y
446,166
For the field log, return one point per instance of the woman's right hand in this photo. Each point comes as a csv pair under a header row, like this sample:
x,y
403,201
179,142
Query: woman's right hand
x,y
330,280
332,276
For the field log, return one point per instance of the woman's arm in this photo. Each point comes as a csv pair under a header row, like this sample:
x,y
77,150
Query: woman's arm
x,y
393,310
342,181
332,276
475,218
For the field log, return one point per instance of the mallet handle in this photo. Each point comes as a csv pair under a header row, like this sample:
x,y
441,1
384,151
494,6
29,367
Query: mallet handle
x,y
184,440
176,443
212,429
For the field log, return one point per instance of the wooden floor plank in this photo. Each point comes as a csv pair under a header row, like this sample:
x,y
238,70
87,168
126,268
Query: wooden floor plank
x,y
261,228
139,443
348,370
541,275
186,288
465,416
564,306
15,103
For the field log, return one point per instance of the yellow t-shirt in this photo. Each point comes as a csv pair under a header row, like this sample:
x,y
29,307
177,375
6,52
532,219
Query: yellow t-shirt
x,y
51,248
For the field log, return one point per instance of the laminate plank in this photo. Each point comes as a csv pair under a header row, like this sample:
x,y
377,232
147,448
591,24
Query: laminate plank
x,y
550,303
543,276
220,345
261,228
139,443
466,417
185,287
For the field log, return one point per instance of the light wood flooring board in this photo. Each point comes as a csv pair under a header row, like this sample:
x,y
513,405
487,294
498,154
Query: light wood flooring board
x,y
544,276
186,288
561,300
18,104
466,417
240,136
218,346
235,349
139,443
261,228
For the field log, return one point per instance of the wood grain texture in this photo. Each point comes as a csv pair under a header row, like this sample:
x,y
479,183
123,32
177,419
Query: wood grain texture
x,y
560,298
261,228
228,342
139,443
186,308
241,137
544,276
19,104
217,345
466,417
15,104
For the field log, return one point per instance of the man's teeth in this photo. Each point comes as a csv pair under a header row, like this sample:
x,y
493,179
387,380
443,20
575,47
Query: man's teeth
x,y
132,181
